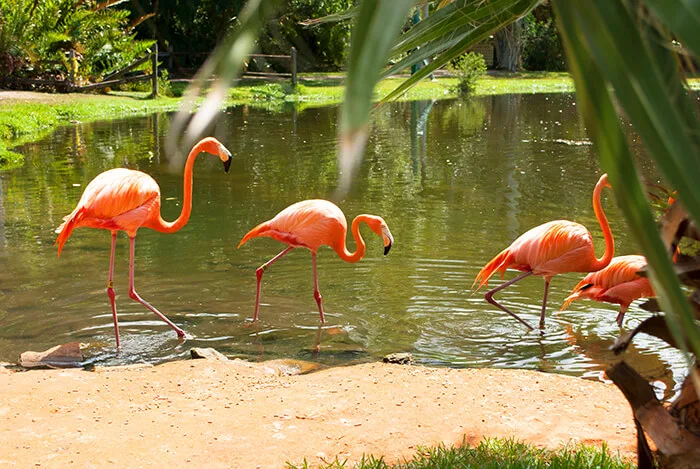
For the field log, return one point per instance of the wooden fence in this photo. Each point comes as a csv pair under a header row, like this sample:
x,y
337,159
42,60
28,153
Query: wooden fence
x,y
125,76
170,55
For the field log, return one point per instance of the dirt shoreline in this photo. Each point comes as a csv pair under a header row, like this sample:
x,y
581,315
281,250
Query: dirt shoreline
x,y
211,413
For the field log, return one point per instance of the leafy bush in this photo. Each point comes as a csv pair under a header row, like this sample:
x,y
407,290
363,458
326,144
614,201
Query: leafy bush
x,y
542,47
468,68
35,38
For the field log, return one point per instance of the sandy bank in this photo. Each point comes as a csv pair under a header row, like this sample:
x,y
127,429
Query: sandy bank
x,y
208,413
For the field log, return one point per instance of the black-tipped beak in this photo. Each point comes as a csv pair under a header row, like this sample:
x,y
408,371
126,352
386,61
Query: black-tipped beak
x,y
227,164
386,249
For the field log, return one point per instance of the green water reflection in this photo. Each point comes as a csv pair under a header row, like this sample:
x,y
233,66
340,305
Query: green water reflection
x,y
455,181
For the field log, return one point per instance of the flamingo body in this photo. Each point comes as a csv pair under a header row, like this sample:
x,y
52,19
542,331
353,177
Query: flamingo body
x,y
126,200
549,249
618,283
546,250
311,224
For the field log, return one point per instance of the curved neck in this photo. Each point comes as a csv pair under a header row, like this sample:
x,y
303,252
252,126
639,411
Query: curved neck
x,y
607,233
170,227
359,253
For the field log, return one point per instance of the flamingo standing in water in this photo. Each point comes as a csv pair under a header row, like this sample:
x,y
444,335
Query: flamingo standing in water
x,y
124,199
618,283
549,249
310,224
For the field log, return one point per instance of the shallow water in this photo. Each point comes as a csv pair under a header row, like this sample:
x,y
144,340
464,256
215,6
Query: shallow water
x,y
456,181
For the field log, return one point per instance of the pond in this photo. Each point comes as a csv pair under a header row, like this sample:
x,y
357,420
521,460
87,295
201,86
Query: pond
x,y
456,181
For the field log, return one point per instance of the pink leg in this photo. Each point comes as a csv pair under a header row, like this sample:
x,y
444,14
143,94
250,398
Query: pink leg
x,y
317,294
259,273
489,297
544,302
135,296
110,288
621,315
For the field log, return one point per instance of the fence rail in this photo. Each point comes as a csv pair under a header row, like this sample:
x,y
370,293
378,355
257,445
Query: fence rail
x,y
292,57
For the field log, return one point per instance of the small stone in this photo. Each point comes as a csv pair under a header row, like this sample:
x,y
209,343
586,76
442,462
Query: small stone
x,y
208,353
400,358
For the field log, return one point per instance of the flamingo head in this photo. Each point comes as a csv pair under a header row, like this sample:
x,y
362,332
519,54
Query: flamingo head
x,y
604,181
215,147
379,226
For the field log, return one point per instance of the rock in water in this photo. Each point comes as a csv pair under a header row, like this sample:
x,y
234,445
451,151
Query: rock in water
x,y
400,358
60,356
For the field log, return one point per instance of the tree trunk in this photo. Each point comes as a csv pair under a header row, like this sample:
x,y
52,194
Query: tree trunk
x,y
508,47
675,431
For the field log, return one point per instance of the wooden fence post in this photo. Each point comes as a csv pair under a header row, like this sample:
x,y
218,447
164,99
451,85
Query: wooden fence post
x,y
170,57
154,67
71,68
294,67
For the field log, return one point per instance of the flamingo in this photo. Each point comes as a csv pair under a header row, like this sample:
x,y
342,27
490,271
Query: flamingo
x,y
124,199
549,249
618,283
310,224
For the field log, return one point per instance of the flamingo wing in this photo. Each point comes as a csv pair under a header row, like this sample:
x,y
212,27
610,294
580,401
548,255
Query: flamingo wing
x,y
117,192
548,249
555,247
118,199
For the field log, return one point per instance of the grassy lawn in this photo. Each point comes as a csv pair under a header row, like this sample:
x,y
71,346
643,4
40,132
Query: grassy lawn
x,y
23,120
496,454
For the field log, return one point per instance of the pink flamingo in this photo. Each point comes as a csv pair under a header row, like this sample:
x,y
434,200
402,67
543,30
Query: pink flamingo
x,y
618,283
124,199
310,224
549,249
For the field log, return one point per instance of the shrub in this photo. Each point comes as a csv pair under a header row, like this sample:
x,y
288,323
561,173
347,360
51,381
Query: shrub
x,y
542,47
468,68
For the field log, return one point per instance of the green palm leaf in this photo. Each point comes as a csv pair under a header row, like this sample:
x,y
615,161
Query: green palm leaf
x,y
477,20
591,73
225,64
376,28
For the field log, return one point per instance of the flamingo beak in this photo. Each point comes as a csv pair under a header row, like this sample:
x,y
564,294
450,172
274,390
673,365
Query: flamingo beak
x,y
388,239
223,152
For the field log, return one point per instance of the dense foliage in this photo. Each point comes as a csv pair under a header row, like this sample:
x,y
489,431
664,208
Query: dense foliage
x,y
542,46
192,30
35,38
321,47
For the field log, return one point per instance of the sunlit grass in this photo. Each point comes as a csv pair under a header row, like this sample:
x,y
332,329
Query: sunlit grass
x,y
493,453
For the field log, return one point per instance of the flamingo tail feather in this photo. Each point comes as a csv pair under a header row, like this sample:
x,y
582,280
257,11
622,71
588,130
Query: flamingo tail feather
x,y
69,224
254,233
499,263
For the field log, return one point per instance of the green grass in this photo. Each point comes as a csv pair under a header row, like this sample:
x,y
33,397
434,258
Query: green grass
x,y
496,454
21,122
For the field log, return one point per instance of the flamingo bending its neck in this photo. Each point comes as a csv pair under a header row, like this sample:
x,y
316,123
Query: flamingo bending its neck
x,y
549,249
310,224
618,283
124,199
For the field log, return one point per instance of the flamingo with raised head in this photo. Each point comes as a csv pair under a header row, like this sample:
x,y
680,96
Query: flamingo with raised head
x,y
618,283
310,224
549,249
125,199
